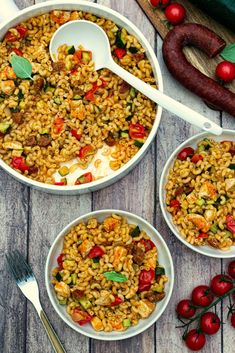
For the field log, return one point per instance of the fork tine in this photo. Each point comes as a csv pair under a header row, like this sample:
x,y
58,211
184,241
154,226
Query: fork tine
x,y
26,269
11,265
18,266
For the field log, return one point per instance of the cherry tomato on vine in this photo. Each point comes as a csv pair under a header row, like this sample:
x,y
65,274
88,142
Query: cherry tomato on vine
x,y
231,269
210,323
221,284
195,340
225,71
202,296
233,320
160,3
175,13
185,309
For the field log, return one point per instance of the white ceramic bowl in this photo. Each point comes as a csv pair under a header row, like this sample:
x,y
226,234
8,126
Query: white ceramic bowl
x,y
192,142
13,17
165,260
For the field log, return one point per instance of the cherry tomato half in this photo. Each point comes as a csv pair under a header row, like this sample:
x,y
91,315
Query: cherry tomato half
x,y
196,158
75,134
19,163
60,260
221,284
210,323
230,223
185,309
225,71
231,269
233,320
185,153
96,251
145,279
162,4
120,52
136,131
202,296
148,244
195,340
86,151
175,13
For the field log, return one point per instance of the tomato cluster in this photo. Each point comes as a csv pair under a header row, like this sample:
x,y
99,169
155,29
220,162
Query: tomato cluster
x,y
175,12
203,298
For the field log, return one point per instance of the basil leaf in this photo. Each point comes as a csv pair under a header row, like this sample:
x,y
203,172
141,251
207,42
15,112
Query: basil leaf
x,y
115,276
21,66
229,53
160,271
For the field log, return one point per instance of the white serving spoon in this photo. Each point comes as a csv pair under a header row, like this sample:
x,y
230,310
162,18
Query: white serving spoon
x,y
92,37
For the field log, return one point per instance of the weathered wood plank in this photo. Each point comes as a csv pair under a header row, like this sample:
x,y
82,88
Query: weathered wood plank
x,y
133,193
191,269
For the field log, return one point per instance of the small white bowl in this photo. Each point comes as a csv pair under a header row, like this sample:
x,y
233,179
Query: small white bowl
x,y
165,260
192,142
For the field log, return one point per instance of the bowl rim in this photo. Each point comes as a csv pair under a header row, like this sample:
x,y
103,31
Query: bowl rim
x,y
127,167
199,249
106,212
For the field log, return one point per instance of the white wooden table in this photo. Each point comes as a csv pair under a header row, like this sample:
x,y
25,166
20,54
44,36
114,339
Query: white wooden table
x,y
30,220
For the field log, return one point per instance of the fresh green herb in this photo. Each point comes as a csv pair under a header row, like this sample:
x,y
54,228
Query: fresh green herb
x,y
71,50
58,277
229,53
115,276
135,232
232,166
21,66
138,144
133,50
20,95
160,271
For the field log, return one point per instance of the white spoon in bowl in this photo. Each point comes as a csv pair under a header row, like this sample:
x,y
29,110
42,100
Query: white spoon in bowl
x,y
93,38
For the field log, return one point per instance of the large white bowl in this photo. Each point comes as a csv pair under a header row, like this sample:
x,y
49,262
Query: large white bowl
x,y
165,260
99,10
192,142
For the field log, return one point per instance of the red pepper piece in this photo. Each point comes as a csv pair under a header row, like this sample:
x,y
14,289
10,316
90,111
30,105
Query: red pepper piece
x,y
120,52
203,235
16,51
85,151
60,260
230,223
75,134
117,301
196,158
19,163
81,317
84,179
58,125
186,152
96,251
22,31
175,203
59,183
148,244
136,131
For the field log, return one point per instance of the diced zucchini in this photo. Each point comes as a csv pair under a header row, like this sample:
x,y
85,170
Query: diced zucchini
x,y
68,281
133,92
133,50
86,56
160,271
201,148
74,278
4,127
232,166
71,49
63,170
157,288
20,95
57,100
15,110
126,322
49,88
96,260
77,97
2,97
63,301
135,232
124,134
120,41
58,277
228,234
138,143
95,265
210,202
214,228
44,131
85,303
200,202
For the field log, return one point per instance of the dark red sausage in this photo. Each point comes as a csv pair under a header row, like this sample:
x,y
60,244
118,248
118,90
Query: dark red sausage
x,y
209,42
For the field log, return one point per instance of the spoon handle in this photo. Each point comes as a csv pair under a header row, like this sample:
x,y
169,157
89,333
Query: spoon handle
x,y
165,101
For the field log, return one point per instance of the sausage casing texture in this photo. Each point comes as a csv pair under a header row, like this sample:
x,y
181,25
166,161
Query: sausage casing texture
x,y
205,87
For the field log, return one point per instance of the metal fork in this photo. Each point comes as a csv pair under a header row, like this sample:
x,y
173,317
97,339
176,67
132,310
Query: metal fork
x,y
27,283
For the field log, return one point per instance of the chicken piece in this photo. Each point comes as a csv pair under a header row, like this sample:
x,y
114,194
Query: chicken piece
x,y
210,214
44,140
85,247
154,297
230,184
7,87
138,254
62,289
17,117
207,191
77,110
199,221
119,253
145,308
213,242
104,299
110,223
191,198
97,324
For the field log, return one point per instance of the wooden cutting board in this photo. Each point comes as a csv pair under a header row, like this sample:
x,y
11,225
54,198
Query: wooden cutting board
x,y
195,15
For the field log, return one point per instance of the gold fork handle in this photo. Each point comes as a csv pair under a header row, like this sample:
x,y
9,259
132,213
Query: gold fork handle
x,y
51,333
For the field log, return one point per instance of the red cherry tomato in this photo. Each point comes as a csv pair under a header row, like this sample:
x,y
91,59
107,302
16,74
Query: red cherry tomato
x,y
202,296
85,151
221,284
19,163
96,251
225,71
117,301
174,203
162,4
230,223
148,244
60,260
136,131
185,153
185,309
120,52
231,269
210,323
175,13
195,340
233,320
22,31
196,158
145,279
75,134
